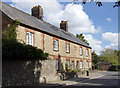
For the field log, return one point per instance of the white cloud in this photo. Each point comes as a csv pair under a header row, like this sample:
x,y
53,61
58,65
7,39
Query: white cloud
x,y
109,19
78,20
94,43
112,38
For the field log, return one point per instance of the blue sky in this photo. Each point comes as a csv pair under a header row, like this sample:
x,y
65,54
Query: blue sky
x,y
98,16
98,24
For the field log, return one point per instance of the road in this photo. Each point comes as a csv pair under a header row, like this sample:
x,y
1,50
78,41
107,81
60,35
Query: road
x,y
106,79
99,80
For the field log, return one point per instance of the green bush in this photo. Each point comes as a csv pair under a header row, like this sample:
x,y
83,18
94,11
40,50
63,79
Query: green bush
x,y
90,68
12,49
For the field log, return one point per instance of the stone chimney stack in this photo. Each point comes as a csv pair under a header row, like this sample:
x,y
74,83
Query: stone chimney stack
x,y
64,25
37,12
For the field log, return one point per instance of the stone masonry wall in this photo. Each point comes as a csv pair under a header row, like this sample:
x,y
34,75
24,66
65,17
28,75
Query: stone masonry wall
x,y
21,72
48,71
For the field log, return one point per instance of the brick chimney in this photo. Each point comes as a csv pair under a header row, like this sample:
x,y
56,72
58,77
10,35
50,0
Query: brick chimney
x,y
64,25
37,12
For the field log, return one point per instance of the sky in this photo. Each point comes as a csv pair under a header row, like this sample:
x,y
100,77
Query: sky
x,y
98,24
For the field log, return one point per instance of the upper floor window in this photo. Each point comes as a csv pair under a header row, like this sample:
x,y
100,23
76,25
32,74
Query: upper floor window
x,y
67,47
81,51
29,38
86,52
56,44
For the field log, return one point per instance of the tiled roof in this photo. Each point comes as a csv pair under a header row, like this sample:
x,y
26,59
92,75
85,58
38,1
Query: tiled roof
x,y
31,21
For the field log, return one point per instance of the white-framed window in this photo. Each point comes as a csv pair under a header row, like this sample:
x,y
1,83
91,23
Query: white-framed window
x,y
57,65
81,64
68,63
81,51
29,38
87,64
67,47
72,65
86,52
56,44
77,65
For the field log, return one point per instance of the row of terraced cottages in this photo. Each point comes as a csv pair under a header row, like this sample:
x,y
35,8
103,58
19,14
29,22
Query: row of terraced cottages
x,y
58,42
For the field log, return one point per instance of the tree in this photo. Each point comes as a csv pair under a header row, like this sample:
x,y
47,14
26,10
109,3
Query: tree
x,y
81,37
109,55
95,58
98,2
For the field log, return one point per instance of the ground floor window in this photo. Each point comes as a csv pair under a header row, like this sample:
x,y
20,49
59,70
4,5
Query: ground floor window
x,y
81,64
77,65
72,65
57,67
87,63
68,63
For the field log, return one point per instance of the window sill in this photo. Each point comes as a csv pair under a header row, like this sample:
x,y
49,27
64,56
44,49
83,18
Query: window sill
x,y
56,50
81,54
68,52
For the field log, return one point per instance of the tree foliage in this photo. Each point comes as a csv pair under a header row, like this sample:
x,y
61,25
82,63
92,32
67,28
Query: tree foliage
x,y
98,2
10,32
81,37
110,55
95,58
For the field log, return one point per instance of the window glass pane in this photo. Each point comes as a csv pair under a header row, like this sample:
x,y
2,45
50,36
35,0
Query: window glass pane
x,y
86,52
81,64
67,47
32,39
57,65
80,50
55,44
77,64
29,38
68,63
72,65
87,64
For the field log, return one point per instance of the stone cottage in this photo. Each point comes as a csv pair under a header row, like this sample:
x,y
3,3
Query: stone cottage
x,y
61,45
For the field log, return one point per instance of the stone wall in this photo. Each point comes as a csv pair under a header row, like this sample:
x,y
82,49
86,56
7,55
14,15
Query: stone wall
x,y
48,71
20,72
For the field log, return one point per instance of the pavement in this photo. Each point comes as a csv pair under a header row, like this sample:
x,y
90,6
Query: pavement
x,y
95,79
81,79
105,79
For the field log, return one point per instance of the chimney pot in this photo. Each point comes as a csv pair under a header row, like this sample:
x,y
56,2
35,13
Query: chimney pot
x,y
37,11
64,25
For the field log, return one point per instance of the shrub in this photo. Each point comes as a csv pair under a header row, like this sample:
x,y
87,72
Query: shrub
x,y
90,68
12,49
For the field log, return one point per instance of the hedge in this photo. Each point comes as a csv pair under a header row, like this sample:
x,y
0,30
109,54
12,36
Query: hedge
x,y
12,49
